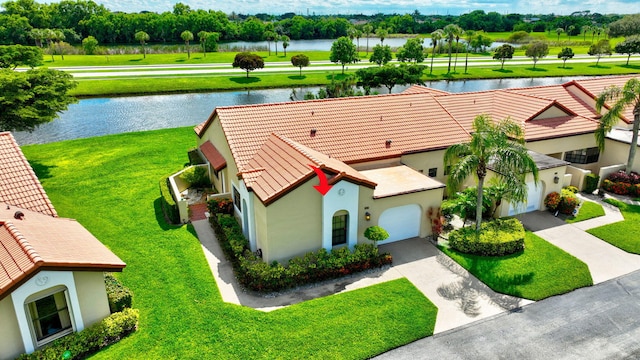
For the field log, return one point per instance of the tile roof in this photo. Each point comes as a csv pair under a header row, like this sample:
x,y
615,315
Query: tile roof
x,y
213,156
351,130
562,94
19,185
594,86
281,165
419,89
41,242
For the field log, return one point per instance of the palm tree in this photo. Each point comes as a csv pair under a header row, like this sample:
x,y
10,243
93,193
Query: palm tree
x,y
367,29
186,37
570,30
559,31
142,37
285,43
628,95
585,29
460,33
382,33
500,146
450,32
469,34
435,37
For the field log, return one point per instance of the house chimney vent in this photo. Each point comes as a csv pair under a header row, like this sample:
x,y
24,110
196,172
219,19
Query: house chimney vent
x,y
313,132
18,215
388,143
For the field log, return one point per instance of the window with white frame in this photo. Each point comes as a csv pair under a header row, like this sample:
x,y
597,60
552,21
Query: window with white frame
x,y
49,316
236,199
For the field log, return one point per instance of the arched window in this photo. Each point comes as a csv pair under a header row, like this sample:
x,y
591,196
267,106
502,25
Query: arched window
x,y
339,228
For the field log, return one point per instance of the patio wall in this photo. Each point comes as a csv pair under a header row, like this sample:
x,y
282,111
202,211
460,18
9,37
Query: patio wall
x,y
577,176
177,186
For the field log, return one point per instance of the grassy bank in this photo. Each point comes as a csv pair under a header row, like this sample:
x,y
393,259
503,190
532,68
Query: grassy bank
x,y
110,185
261,79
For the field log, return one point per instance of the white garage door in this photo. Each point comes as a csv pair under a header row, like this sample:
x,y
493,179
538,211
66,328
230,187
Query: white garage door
x,y
534,198
402,222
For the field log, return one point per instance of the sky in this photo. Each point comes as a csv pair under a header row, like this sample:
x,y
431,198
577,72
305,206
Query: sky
x,y
368,7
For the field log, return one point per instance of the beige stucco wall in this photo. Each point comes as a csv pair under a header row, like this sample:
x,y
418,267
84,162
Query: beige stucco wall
x,y
215,134
425,161
551,112
545,178
294,224
10,340
425,199
561,145
616,152
92,296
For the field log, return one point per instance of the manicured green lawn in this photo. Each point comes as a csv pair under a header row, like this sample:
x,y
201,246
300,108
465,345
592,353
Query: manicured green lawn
x,y
623,234
110,185
588,210
542,270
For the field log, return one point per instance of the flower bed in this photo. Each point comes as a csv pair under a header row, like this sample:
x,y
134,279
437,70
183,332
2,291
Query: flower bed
x,y
320,265
622,183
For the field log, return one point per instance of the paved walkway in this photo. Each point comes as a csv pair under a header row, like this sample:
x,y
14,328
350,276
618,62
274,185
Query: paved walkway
x,y
604,260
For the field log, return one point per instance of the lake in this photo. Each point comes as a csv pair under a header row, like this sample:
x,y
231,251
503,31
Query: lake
x,y
104,116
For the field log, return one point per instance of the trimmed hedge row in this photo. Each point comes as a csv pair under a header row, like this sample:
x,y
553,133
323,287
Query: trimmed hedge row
x,y
591,183
169,205
498,237
321,265
119,296
88,341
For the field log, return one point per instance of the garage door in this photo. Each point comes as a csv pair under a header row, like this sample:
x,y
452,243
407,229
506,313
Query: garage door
x,y
534,198
402,222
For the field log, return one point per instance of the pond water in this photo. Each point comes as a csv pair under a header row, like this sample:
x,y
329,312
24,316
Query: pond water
x,y
104,116
315,45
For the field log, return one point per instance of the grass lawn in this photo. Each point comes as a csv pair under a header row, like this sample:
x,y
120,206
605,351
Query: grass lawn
x,y
542,270
622,234
110,185
588,210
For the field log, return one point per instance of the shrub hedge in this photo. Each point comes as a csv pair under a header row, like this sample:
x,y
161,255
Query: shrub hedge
x,y
316,266
88,341
169,206
568,202
591,183
119,296
622,183
498,237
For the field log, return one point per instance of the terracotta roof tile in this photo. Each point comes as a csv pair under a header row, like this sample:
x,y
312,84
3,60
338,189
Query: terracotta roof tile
x,y
561,94
281,165
213,156
419,89
39,241
595,86
349,129
19,185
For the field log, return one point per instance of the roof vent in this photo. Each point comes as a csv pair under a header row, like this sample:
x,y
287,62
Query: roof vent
x,y
18,215
313,132
312,113
388,143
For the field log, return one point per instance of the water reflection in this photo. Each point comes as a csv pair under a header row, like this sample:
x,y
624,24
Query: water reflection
x,y
103,116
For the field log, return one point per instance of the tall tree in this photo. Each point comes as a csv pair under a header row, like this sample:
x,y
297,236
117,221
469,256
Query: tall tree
x,y
12,56
412,51
202,37
269,36
536,51
32,98
186,37
381,55
629,46
565,54
142,37
382,33
367,29
503,53
627,96
248,62
451,31
285,43
436,36
469,34
559,31
89,44
499,146
458,34
343,51
599,49
300,60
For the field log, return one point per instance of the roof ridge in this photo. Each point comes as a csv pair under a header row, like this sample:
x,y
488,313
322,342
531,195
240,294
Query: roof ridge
x,y
25,245
299,148
451,115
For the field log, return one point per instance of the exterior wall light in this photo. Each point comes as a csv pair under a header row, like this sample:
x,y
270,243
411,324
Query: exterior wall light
x,y
556,179
367,216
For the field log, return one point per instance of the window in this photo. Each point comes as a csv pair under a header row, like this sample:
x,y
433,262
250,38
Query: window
x,y
433,172
339,227
236,199
50,317
582,156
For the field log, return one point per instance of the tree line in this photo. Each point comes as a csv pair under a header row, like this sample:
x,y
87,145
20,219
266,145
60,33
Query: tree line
x,y
79,19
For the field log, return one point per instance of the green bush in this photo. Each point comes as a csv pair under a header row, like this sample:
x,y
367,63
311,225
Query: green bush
x,y
316,266
169,206
571,188
552,201
591,183
497,238
568,202
196,176
119,296
376,233
90,340
195,158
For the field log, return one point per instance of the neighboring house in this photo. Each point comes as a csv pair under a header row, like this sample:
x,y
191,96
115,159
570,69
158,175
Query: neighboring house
x,y
51,268
384,157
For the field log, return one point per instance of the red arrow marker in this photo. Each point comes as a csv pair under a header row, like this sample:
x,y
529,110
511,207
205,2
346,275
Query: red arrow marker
x,y
323,187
